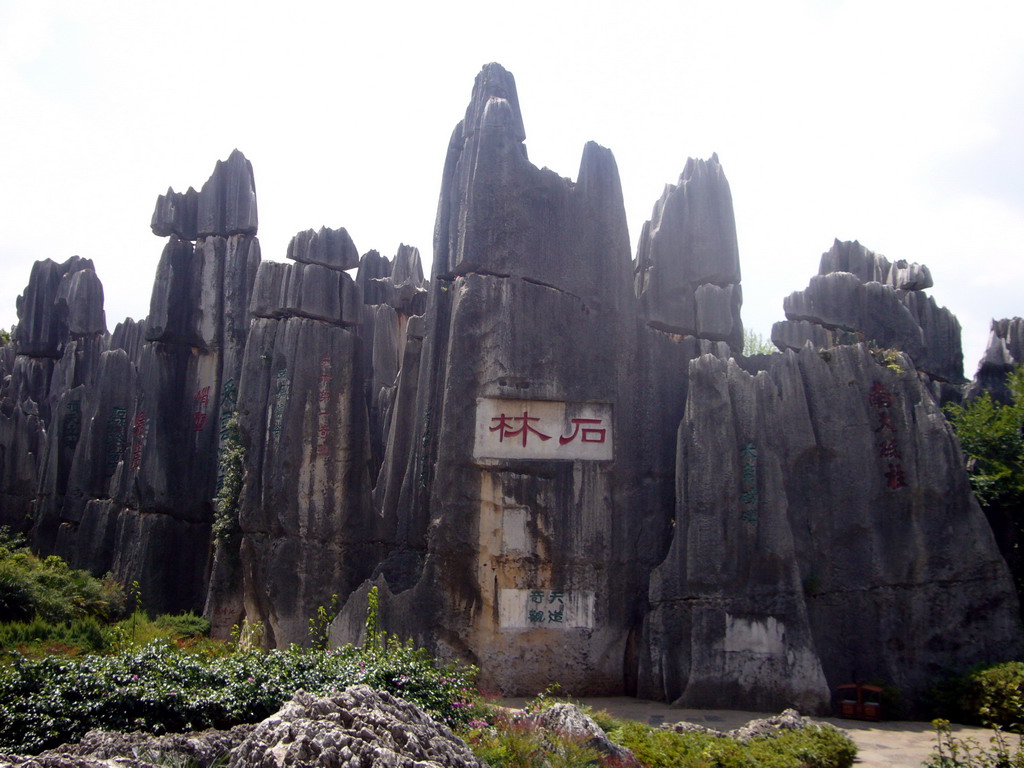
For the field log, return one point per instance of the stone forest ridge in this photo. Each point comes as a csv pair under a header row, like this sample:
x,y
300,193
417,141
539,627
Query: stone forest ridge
x,y
552,458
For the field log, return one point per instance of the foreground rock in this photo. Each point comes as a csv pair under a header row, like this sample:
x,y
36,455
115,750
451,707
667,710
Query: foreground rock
x,y
788,720
200,749
571,722
359,726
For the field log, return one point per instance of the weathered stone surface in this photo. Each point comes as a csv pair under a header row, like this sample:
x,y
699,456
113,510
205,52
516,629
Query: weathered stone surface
x,y
88,438
856,298
942,357
793,334
371,267
358,726
22,441
689,242
813,499
201,749
129,335
473,535
571,722
80,301
496,210
176,213
306,290
175,297
718,311
307,527
1005,351
841,302
872,267
329,247
227,201
42,331
404,289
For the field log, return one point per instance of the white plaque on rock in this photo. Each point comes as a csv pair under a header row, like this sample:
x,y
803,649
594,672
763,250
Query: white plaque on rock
x,y
543,429
545,609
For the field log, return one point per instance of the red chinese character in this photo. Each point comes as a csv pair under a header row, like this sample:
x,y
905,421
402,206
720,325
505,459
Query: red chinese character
x,y
889,449
504,427
199,421
895,476
324,395
879,397
322,450
202,396
886,422
139,424
325,363
590,434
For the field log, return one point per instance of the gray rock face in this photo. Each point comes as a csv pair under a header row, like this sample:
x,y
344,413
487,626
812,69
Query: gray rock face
x,y
859,296
1005,351
687,266
227,201
813,499
175,214
404,289
372,266
43,329
358,726
330,247
508,557
794,334
306,290
225,206
870,267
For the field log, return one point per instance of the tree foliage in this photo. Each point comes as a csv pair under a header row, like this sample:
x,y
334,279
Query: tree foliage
x,y
992,436
756,344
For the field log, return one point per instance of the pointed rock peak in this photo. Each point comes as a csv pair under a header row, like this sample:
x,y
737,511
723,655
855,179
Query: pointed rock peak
x,y
408,269
494,82
696,168
227,201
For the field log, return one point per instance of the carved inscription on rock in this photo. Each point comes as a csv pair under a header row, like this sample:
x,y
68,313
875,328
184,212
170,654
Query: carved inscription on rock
x,y
543,429
545,609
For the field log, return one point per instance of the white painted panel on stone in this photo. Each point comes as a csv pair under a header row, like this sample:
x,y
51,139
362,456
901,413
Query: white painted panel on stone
x,y
542,429
545,609
755,634
515,539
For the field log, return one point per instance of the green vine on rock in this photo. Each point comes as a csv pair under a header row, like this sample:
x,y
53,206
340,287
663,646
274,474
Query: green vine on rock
x,y
232,470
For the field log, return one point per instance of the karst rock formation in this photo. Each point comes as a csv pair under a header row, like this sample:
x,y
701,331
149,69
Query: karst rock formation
x,y
551,458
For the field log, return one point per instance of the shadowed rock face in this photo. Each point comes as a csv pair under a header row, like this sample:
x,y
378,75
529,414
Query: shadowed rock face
x,y
825,532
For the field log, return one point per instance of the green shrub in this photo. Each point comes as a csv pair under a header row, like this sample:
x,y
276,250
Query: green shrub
x,y
30,585
85,634
819,746
953,752
183,625
991,695
161,688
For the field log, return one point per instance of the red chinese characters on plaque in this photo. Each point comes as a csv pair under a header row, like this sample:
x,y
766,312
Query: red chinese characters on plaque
x,y
543,429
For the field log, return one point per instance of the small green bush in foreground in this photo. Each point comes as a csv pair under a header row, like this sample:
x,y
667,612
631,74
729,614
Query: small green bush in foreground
x,y
953,752
812,747
990,695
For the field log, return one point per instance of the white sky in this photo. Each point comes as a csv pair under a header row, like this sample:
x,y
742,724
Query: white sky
x,y
896,123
